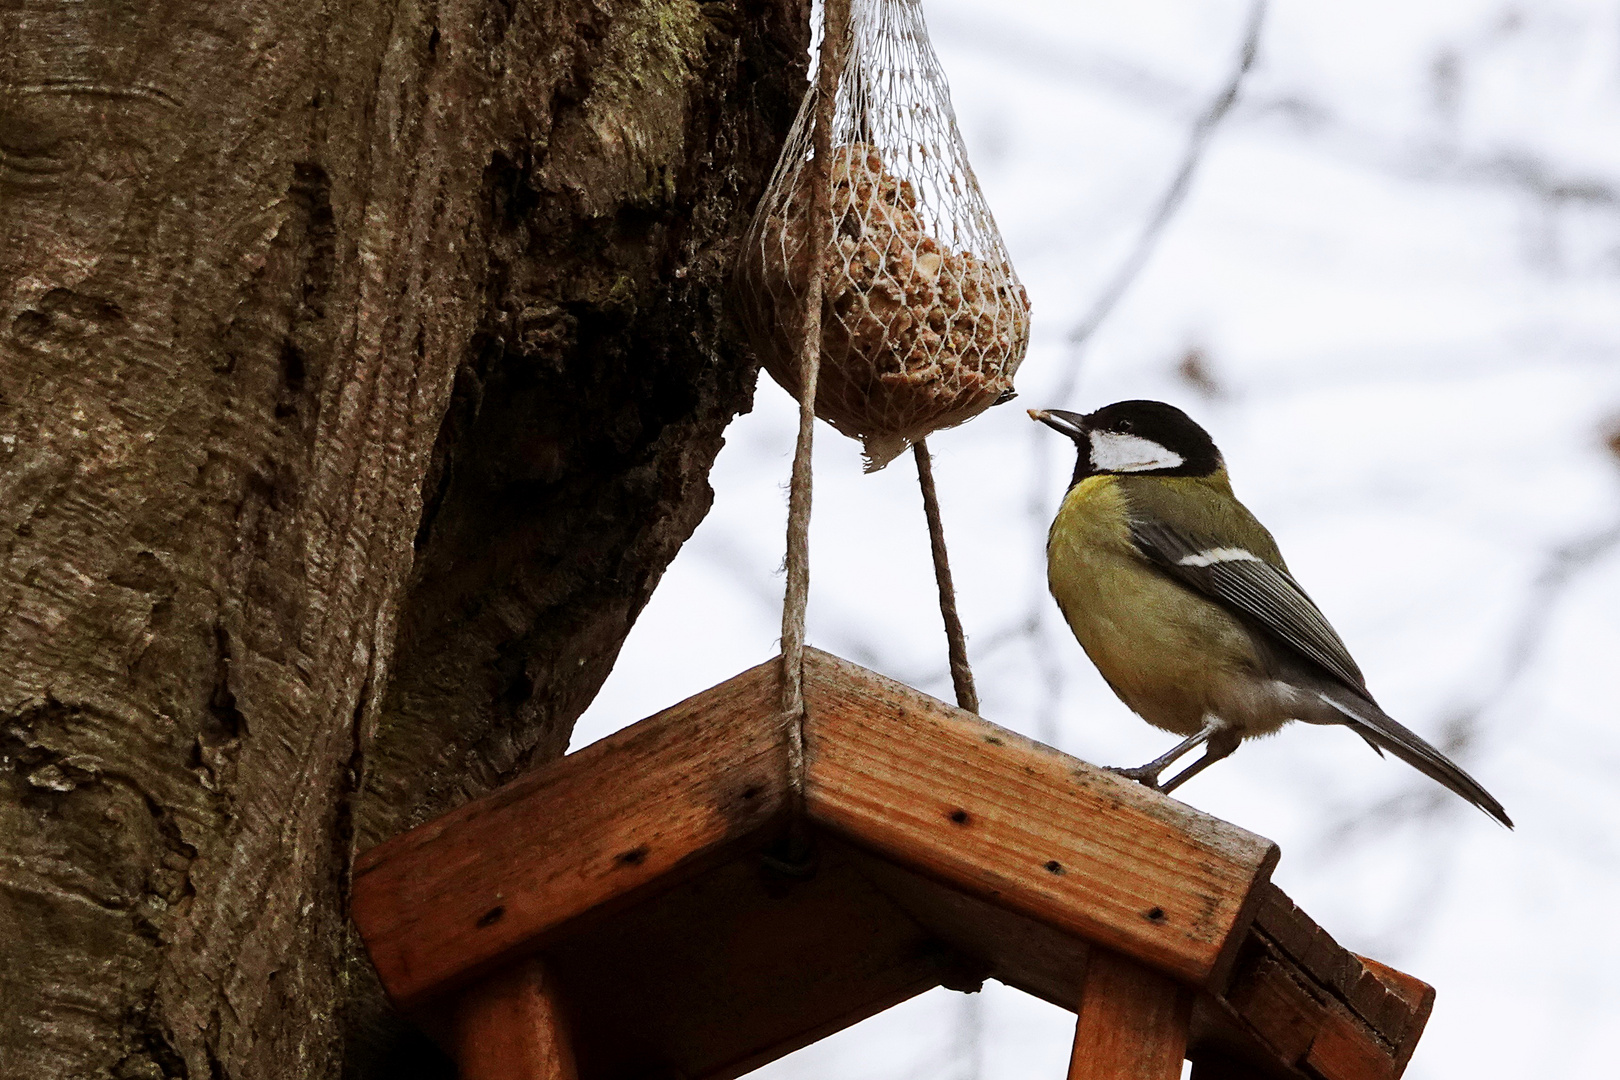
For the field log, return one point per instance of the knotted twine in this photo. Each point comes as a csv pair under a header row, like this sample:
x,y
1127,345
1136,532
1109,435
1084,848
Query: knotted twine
x,y
834,44
835,38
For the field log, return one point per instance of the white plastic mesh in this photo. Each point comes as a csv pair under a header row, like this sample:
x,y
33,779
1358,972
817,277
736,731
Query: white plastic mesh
x,y
924,321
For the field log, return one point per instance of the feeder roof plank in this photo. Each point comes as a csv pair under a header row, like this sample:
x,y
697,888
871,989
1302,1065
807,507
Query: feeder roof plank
x,y
1019,824
639,810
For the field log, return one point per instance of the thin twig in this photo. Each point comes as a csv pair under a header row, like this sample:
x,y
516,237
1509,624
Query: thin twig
x,y
961,674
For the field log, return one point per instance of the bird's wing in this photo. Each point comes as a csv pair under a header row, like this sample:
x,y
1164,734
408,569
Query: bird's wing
x,y
1251,585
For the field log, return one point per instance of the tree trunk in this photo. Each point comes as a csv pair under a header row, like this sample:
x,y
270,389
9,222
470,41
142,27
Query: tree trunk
x,y
361,368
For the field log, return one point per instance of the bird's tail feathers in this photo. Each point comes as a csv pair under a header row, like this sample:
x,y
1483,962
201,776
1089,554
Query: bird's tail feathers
x,y
1381,730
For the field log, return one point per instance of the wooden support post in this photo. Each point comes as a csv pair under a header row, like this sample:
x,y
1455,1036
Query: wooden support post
x,y
1133,1022
509,1027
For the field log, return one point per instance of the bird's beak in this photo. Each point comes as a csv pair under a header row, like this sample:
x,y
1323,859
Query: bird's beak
x,y
1071,424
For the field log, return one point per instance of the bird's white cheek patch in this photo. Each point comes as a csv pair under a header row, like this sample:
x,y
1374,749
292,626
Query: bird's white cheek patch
x,y
1112,451
1211,556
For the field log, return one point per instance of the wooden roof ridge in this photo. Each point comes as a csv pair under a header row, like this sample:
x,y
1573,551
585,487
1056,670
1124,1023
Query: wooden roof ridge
x,y
949,850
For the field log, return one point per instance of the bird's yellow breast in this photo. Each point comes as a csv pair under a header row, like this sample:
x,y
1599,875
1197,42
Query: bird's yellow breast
x,y
1166,651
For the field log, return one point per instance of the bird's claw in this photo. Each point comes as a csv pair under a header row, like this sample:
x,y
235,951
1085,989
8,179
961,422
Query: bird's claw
x,y
1145,775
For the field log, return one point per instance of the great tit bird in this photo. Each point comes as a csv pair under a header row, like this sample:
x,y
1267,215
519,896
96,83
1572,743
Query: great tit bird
x,y
1182,600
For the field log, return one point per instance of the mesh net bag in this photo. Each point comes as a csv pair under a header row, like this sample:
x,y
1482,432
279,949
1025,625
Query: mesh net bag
x,y
924,321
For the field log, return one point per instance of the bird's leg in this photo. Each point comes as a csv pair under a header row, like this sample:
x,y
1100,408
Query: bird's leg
x,y
1220,745
1149,774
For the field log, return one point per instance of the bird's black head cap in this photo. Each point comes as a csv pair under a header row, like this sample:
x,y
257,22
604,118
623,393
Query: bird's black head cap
x,y
1146,438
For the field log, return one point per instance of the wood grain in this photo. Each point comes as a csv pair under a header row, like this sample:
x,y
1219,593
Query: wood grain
x,y
739,966
636,811
1418,998
1278,1007
947,850
1386,1010
510,1026
1289,1020
1132,1023
1043,834
1341,1051
1011,948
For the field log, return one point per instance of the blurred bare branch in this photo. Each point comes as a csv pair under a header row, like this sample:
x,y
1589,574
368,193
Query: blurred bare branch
x,y
1422,801
1030,628
1430,158
1196,370
1066,62
1174,195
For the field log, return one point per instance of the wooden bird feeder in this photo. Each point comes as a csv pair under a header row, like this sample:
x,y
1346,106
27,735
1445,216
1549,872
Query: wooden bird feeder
x,y
620,915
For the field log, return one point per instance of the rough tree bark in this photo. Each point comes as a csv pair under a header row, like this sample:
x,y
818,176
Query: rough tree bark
x,y
361,367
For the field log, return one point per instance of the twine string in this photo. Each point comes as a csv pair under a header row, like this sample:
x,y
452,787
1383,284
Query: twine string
x,y
834,40
967,696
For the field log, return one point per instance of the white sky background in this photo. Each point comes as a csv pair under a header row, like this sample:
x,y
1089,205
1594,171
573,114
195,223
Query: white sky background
x,y
1400,258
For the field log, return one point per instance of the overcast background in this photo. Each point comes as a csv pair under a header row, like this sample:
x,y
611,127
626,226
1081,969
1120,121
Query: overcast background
x,y
1397,273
